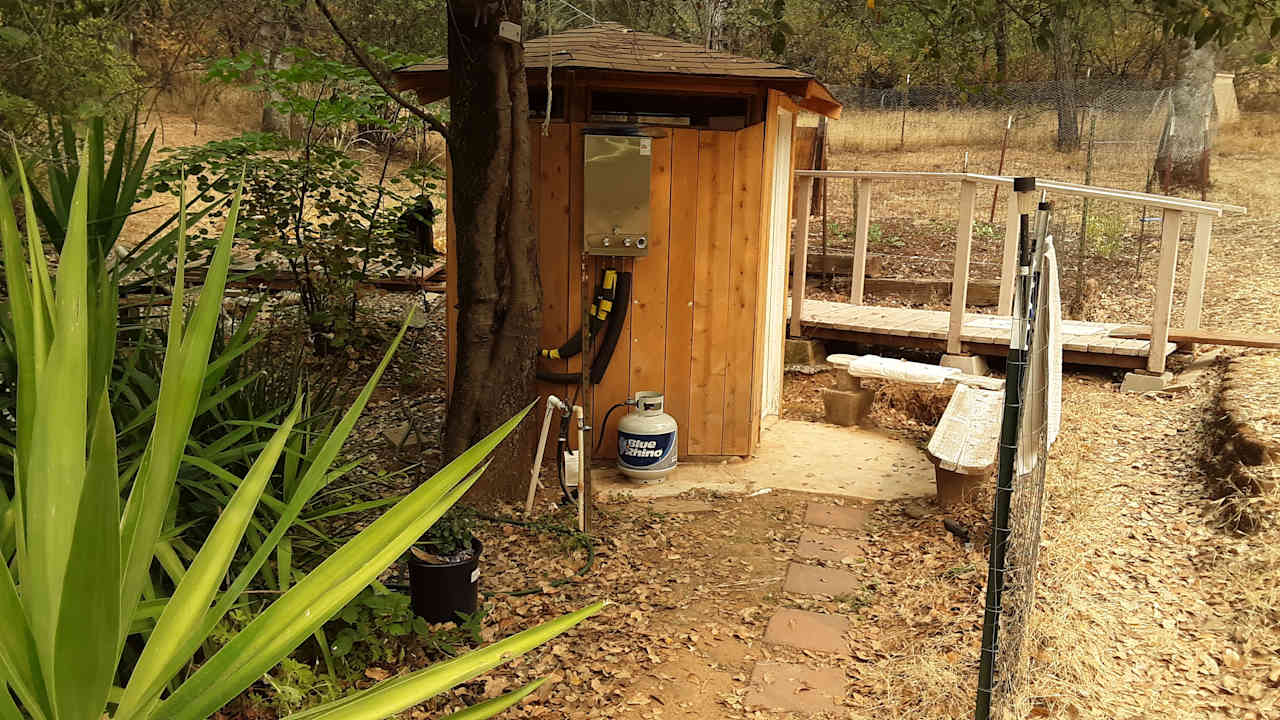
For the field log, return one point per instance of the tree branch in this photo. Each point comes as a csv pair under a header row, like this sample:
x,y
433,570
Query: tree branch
x,y
432,121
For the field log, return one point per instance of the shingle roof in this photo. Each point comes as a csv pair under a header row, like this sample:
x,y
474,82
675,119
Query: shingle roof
x,y
611,46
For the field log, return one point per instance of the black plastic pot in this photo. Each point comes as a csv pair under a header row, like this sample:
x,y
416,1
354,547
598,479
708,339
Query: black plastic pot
x,y
438,592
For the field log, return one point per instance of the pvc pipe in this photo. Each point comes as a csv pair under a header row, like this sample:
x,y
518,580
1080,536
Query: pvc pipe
x,y
553,403
582,468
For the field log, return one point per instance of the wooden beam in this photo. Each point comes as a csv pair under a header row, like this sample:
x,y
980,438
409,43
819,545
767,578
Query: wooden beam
x,y
1009,260
1171,225
1202,336
960,273
859,269
1199,268
800,253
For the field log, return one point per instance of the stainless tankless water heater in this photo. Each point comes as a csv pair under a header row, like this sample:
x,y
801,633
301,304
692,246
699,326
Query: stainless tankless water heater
x,y
615,190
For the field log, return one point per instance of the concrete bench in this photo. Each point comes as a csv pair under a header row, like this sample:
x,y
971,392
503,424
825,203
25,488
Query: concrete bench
x,y
964,445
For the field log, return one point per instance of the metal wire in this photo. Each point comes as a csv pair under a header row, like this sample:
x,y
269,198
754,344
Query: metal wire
x,y
1017,511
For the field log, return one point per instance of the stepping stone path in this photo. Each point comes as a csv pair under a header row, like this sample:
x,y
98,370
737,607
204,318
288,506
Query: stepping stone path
x,y
808,630
841,517
795,688
798,687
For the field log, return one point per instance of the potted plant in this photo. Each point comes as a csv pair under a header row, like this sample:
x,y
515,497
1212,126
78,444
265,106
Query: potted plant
x,y
444,580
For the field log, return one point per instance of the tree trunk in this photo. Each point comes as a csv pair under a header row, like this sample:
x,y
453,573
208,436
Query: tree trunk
x,y
271,118
499,297
1183,159
1064,78
1001,40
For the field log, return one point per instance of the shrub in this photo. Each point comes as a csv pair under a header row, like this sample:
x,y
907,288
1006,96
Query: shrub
x,y
308,213
84,557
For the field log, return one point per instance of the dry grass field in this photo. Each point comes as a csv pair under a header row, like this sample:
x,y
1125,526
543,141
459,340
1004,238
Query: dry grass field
x,y
1149,604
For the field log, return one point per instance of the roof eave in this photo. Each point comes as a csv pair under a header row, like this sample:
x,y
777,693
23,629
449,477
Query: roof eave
x,y
807,92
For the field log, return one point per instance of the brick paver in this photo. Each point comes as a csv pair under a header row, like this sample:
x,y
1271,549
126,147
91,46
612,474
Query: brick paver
x,y
843,517
797,688
806,630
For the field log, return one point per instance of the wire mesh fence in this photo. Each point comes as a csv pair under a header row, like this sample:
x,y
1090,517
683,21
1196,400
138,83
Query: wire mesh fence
x,y
1107,248
1030,422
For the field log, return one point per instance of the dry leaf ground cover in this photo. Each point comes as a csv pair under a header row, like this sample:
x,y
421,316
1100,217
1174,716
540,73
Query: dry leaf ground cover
x,y
1148,606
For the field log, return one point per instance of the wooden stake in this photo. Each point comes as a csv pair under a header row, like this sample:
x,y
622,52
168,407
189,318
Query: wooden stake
x,y
1082,251
1004,144
906,100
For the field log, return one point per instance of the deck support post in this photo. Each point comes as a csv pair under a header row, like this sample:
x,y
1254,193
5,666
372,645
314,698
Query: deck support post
x,y
1199,268
960,274
859,271
1009,260
1171,225
800,254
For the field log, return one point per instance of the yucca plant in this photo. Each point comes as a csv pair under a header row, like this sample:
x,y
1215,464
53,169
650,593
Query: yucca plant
x,y
76,588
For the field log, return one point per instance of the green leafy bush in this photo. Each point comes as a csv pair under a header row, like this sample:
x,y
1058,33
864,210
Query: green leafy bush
x,y
452,533
309,214
86,557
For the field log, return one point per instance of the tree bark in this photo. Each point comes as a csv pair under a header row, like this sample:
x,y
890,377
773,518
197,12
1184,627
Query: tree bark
x,y
1000,37
499,296
1183,158
1064,78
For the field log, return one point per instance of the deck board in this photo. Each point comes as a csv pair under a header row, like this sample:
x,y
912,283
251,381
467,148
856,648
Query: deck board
x,y
891,326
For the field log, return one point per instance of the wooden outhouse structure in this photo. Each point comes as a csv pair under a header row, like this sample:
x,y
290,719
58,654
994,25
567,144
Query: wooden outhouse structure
x,y
705,321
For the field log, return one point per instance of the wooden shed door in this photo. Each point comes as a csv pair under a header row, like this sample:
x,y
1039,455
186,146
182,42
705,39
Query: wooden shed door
x,y
691,324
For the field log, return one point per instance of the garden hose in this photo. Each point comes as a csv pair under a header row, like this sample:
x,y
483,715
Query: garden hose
x,y
585,540
600,308
617,295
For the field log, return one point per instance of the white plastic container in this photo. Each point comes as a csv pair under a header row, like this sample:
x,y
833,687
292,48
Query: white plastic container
x,y
647,444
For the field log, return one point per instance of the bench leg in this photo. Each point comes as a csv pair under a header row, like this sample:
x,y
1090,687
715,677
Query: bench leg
x,y
957,488
847,407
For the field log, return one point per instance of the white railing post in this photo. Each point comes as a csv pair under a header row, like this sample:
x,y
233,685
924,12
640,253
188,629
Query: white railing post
x,y
800,255
859,270
1199,269
1171,225
960,274
1009,260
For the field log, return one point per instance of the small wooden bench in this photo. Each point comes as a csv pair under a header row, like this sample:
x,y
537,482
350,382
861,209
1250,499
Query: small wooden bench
x,y
965,443
964,446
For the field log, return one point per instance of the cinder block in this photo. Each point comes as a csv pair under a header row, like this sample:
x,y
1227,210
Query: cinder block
x,y
1141,382
958,489
968,364
802,351
846,407
845,381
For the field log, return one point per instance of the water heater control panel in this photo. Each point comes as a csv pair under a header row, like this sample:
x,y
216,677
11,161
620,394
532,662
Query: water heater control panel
x,y
615,189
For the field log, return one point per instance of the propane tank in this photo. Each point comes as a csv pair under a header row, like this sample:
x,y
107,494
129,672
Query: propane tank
x,y
647,445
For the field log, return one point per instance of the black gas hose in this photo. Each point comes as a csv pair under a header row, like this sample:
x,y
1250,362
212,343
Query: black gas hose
x,y
616,318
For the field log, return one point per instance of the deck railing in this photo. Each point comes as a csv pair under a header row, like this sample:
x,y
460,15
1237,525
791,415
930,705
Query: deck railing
x,y
1174,212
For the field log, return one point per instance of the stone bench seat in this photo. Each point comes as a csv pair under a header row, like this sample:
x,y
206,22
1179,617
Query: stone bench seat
x,y
965,443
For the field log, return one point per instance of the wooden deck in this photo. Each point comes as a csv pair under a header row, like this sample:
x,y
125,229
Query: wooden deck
x,y
1083,343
